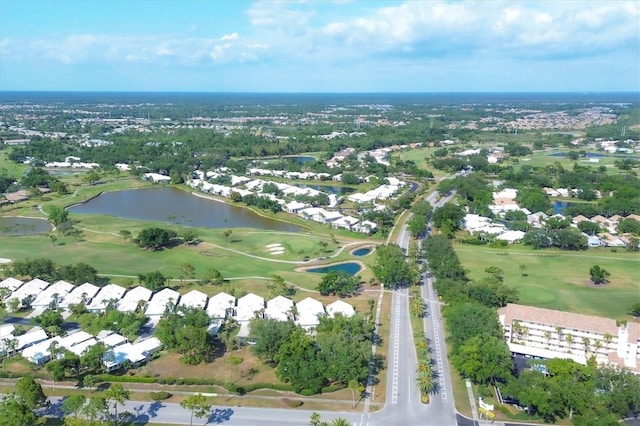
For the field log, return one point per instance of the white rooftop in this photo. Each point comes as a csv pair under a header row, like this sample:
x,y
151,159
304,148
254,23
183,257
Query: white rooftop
x,y
194,299
11,283
30,338
308,311
158,303
80,294
129,302
106,294
247,307
31,288
340,307
44,298
278,308
218,305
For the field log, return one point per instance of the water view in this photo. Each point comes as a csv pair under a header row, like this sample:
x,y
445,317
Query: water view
x,y
167,204
23,226
560,206
350,268
587,155
362,251
330,189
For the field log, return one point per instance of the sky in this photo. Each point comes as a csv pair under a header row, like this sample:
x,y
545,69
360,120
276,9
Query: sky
x,y
320,46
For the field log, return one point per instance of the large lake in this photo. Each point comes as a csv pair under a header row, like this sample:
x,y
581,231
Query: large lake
x,y
167,204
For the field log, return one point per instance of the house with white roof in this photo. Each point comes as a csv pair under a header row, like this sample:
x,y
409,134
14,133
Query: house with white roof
x,y
345,222
193,299
159,304
12,284
294,207
39,353
279,308
80,348
53,294
111,339
29,290
131,299
309,310
35,335
108,293
249,307
80,294
220,304
340,307
511,236
366,227
156,177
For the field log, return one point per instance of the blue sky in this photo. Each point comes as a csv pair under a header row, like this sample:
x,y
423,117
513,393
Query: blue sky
x,y
320,46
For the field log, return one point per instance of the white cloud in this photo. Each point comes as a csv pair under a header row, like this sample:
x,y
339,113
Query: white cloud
x,y
232,36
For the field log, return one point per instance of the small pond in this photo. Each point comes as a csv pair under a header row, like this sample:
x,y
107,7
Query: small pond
x,y
302,159
560,206
588,155
330,189
167,204
23,226
350,268
362,251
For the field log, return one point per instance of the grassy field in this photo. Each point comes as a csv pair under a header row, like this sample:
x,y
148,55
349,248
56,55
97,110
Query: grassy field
x,y
542,159
560,280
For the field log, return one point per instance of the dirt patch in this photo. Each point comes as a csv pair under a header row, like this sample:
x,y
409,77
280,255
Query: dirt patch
x,y
250,370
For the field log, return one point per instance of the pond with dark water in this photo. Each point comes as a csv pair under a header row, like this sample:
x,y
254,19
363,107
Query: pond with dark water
x,y
329,189
363,251
303,159
560,206
350,268
23,226
588,154
168,204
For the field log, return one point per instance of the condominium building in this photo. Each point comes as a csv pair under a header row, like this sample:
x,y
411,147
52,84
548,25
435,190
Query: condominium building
x,y
545,333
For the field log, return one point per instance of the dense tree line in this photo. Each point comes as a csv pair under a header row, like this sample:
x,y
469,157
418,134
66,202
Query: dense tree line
x,y
185,332
48,270
339,352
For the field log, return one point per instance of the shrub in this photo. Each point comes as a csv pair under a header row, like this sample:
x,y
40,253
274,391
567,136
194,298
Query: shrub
x,y
294,403
307,392
159,396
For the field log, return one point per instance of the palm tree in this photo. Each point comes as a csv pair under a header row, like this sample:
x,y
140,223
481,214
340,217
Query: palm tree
x,y
598,346
569,339
314,420
559,331
608,338
417,306
340,421
547,336
426,383
587,343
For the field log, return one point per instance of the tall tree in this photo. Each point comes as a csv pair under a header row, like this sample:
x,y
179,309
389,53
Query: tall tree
x,y
197,406
30,391
117,395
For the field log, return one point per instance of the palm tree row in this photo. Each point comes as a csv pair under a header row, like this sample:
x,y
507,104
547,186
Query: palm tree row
x,y
417,305
425,374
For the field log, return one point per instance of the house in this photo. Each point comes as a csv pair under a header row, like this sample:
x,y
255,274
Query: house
x,y
294,207
345,222
366,227
220,304
340,307
593,240
106,295
156,178
549,334
52,295
580,218
135,353
165,299
134,298
111,339
12,284
28,291
35,335
39,353
193,299
279,308
80,294
511,236
249,307
611,240
309,310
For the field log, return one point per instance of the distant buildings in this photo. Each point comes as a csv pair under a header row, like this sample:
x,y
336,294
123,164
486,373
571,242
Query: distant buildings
x,y
545,333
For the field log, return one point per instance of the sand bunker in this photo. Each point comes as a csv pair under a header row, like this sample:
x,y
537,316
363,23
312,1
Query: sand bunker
x,y
4,260
274,245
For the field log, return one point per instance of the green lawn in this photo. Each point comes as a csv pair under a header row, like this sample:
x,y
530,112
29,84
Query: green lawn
x,y
560,280
542,159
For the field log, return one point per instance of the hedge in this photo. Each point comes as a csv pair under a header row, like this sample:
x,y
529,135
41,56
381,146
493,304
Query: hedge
x,y
159,396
